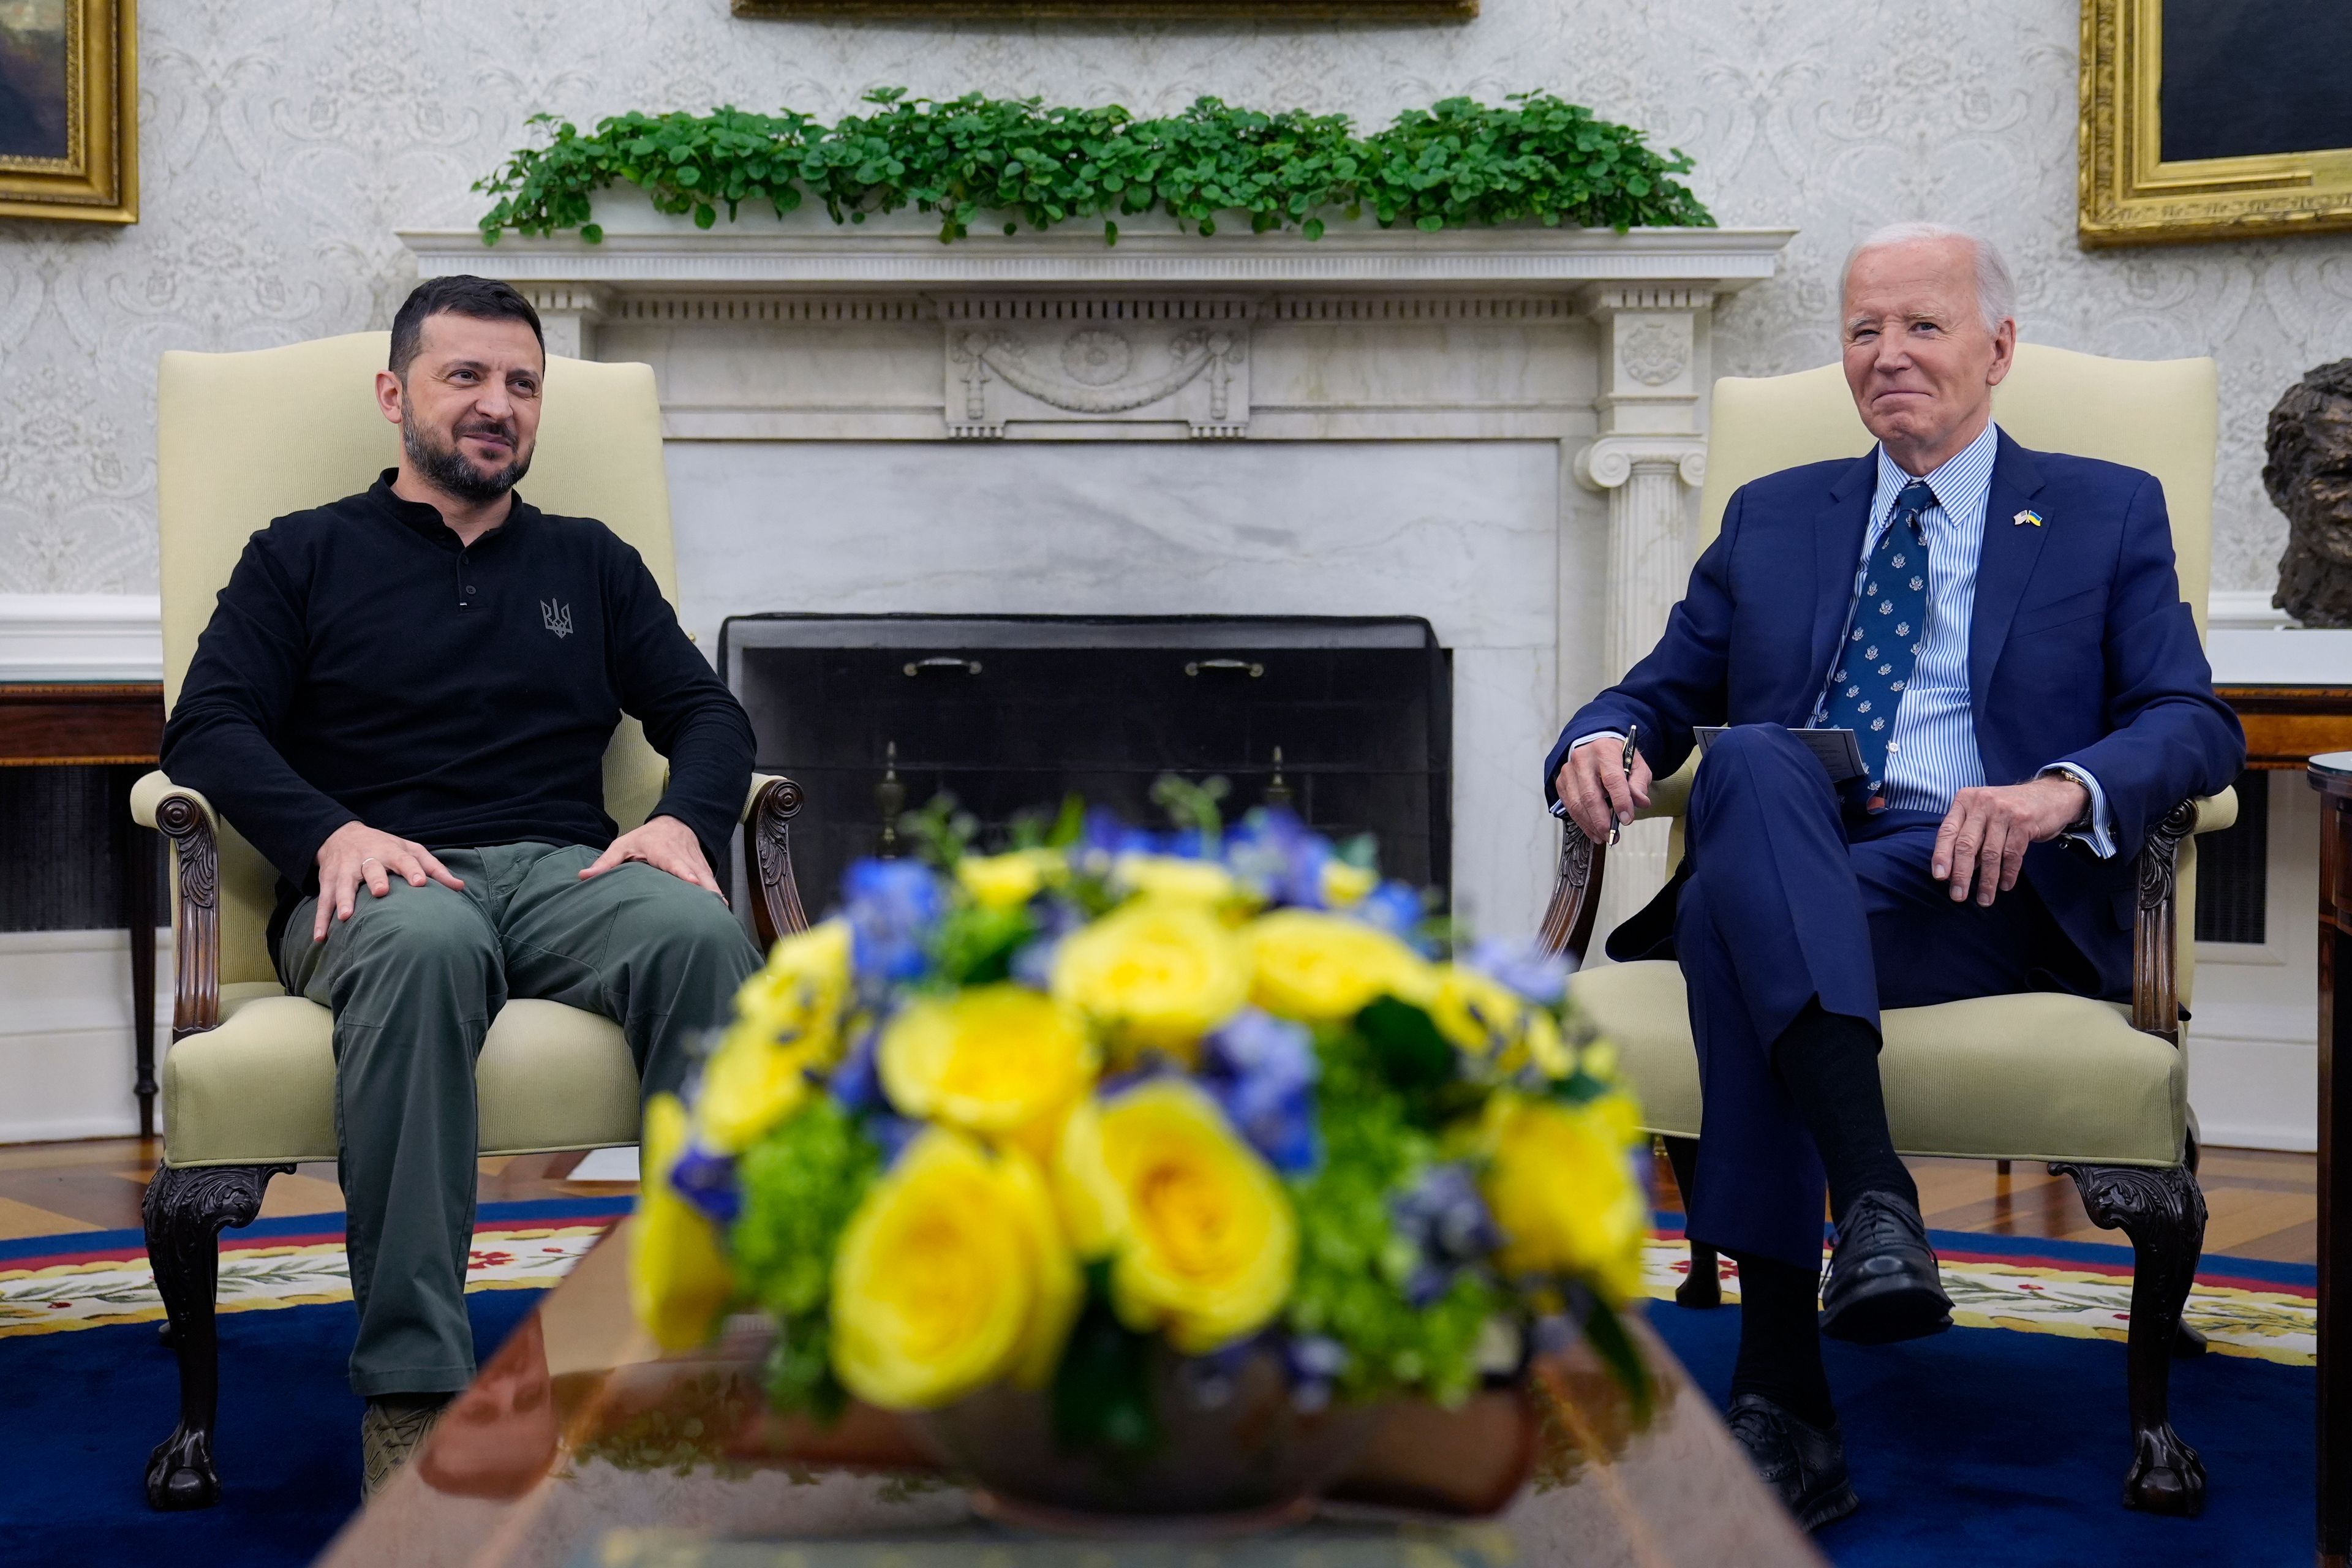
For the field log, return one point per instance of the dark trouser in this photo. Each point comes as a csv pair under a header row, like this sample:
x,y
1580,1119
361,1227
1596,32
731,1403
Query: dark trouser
x,y
1792,898
414,979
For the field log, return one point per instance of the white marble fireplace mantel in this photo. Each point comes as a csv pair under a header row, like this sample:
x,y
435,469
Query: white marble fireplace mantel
x,y
1499,429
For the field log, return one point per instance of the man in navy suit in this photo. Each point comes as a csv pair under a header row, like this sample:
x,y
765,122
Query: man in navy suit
x,y
2003,632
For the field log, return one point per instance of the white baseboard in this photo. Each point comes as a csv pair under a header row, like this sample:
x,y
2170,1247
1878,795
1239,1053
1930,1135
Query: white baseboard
x,y
2254,1093
81,636
67,1052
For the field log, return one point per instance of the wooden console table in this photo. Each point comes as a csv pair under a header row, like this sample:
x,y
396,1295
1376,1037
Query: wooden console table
x,y
2286,726
120,729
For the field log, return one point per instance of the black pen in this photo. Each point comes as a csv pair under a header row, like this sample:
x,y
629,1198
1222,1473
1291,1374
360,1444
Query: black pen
x,y
1632,734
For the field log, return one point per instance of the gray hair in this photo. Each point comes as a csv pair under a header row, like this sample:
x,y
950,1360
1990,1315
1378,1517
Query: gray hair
x,y
1996,290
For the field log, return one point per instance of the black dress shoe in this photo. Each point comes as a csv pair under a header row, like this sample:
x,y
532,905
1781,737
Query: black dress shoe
x,y
1804,1464
1882,1281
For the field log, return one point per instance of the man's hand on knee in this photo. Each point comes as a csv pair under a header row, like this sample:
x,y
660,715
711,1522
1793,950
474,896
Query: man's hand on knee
x,y
1593,786
355,853
666,844
1981,845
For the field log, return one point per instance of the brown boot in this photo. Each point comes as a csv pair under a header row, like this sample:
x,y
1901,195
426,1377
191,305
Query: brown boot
x,y
394,1427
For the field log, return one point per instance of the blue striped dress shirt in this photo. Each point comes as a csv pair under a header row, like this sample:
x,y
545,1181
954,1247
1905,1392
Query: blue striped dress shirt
x,y
1933,755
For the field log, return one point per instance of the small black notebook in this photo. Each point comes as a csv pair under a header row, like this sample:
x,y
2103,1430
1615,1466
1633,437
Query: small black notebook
x,y
1837,751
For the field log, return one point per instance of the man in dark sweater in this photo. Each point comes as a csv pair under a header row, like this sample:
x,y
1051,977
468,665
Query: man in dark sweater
x,y
402,700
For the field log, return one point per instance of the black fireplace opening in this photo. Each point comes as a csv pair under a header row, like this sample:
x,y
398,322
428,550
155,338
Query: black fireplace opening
x,y
1348,720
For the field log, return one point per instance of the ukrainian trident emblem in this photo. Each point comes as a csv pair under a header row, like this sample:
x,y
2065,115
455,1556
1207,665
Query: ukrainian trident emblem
x,y
557,617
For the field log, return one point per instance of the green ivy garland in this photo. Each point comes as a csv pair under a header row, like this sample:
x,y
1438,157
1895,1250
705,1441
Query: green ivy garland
x,y
1458,164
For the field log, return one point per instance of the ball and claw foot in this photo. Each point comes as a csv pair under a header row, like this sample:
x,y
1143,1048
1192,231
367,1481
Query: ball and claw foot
x,y
180,1473
2167,1477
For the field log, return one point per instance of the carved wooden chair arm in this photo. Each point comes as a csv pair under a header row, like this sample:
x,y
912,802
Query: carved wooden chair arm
x,y
768,813
187,819
2155,924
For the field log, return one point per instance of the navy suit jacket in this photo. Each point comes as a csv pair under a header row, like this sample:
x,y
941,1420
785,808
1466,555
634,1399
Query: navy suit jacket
x,y
2080,650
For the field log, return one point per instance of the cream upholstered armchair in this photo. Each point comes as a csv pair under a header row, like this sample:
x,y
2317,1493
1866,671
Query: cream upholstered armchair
x,y
2096,1090
248,1082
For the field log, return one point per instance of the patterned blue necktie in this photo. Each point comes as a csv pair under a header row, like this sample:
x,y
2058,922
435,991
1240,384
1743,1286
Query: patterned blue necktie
x,y
1890,626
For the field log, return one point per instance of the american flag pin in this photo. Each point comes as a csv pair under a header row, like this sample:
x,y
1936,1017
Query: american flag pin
x,y
2025,517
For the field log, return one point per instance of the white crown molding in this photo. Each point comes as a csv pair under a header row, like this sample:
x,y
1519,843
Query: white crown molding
x,y
80,637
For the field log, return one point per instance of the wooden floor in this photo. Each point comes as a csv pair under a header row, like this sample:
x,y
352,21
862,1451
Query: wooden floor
x,y
54,1189
2261,1205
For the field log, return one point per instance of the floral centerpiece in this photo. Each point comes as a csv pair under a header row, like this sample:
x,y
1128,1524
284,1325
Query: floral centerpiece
x,y
1082,1152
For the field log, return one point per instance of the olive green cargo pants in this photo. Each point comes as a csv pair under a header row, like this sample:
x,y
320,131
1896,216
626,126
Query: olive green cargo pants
x,y
414,979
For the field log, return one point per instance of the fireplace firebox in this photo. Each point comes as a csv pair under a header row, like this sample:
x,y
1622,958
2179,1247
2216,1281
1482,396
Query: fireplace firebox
x,y
1347,720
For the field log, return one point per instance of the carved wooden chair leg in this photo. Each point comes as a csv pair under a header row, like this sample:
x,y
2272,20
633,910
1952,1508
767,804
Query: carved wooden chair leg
x,y
185,1211
2188,1342
2163,1212
1701,1286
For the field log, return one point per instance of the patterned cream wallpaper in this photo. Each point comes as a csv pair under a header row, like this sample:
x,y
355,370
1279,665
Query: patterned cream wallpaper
x,y
283,141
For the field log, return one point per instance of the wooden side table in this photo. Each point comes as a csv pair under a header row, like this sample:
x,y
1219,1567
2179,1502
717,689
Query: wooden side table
x,y
2331,775
120,727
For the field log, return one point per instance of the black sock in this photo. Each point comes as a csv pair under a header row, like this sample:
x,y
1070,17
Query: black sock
x,y
1829,1063
1781,1338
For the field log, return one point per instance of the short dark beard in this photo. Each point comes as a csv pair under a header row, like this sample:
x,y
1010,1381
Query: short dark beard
x,y
450,471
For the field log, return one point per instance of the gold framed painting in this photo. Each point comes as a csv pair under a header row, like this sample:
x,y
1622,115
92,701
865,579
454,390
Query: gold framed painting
x,y
985,11
2203,120
70,110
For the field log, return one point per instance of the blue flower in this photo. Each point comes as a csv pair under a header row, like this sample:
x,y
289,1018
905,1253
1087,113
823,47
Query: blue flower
x,y
892,906
891,1135
1312,1362
1444,1217
1539,976
857,1084
707,1182
1396,908
1261,1071
1278,857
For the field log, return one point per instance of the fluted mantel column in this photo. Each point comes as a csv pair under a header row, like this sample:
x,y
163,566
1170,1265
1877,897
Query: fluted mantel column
x,y
1649,457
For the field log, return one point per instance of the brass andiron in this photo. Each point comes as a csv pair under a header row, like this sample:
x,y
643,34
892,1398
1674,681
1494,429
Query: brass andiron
x,y
890,796
1277,792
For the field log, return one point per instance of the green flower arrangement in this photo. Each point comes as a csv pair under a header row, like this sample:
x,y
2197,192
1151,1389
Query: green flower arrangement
x,y
1458,164
1043,1121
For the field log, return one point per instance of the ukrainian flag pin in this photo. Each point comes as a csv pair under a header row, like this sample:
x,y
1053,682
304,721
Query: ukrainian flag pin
x,y
2025,517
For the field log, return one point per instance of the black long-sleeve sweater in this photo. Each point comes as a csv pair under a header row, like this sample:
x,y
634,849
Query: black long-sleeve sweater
x,y
364,665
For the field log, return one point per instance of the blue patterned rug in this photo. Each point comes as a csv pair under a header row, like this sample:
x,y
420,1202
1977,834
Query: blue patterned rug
x,y
1984,1445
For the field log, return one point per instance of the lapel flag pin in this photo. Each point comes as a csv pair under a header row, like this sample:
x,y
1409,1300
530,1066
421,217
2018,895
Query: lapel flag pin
x,y
2025,517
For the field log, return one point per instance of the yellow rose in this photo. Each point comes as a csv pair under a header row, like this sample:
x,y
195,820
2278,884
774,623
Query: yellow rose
x,y
1561,1187
1344,886
1322,968
997,1059
800,992
953,1275
1200,1235
1154,974
678,1278
1494,1023
1008,880
749,1085
1173,878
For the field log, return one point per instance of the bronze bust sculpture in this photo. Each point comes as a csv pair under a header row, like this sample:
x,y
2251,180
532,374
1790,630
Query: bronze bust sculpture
x,y
2309,476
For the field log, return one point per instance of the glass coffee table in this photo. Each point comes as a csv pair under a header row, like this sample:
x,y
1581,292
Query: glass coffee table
x,y
580,1443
